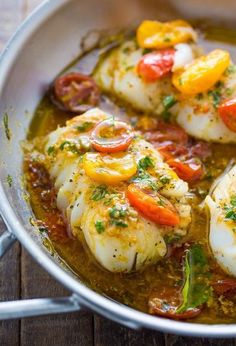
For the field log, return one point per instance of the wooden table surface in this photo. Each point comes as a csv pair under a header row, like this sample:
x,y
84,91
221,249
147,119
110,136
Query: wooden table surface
x,y
21,277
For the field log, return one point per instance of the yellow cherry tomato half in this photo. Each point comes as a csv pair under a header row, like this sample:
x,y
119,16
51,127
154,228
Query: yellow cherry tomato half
x,y
154,34
202,73
109,169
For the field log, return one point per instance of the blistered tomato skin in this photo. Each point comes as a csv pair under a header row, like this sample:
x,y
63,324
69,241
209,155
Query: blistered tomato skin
x,y
164,302
156,65
111,136
154,34
109,169
202,73
76,92
227,112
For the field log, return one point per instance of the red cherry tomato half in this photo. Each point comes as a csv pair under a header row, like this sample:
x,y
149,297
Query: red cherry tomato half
x,y
167,132
111,136
152,205
170,149
225,287
189,170
165,301
76,92
156,65
227,112
201,150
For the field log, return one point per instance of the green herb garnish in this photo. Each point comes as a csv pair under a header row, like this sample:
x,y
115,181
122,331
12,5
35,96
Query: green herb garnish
x,y
84,127
9,180
164,179
51,150
231,209
145,163
216,96
168,102
196,290
99,225
99,193
42,229
69,146
117,214
6,126
119,223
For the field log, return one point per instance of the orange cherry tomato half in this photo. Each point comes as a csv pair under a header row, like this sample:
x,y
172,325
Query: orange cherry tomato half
x,y
75,92
152,205
165,301
189,170
111,136
227,112
156,65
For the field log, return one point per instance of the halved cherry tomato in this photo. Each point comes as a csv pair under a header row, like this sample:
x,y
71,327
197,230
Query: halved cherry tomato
x,y
76,92
111,136
154,206
109,169
227,112
167,132
225,287
154,34
156,65
201,150
165,301
189,170
202,73
170,149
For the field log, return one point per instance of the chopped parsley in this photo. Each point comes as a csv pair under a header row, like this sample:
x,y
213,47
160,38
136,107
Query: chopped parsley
x,y
99,225
6,126
84,127
145,179
117,215
51,150
99,193
168,102
43,229
69,146
216,97
164,179
231,209
119,223
9,180
145,163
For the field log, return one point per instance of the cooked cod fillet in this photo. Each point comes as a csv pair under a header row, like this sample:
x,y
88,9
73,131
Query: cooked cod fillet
x,y
120,238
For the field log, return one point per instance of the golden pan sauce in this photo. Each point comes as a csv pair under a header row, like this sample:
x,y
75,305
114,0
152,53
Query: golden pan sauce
x,y
131,289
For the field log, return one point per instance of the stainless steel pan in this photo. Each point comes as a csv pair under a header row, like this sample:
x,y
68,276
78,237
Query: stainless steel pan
x,y
43,45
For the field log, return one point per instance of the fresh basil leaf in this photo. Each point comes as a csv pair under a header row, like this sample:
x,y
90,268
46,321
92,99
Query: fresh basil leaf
x,y
196,290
